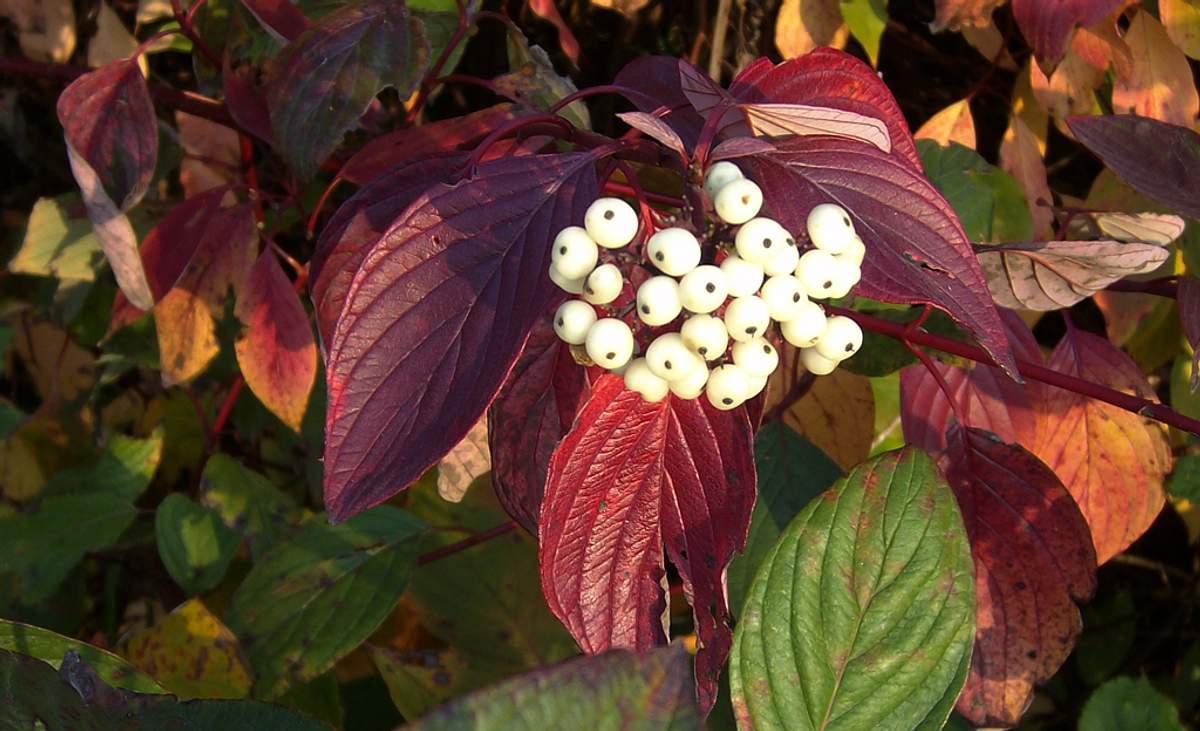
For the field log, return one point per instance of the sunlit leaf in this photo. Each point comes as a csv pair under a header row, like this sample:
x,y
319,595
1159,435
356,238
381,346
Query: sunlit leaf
x,y
803,25
191,653
952,124
1048,26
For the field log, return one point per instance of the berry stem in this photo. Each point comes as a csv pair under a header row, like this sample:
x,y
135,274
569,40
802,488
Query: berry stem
x,y
1141,406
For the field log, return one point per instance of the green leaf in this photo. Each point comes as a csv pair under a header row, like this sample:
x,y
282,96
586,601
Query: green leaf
x,y
247,502
31,691
313,598
50,647
1109,632
124,469
609,692
1126,704
791,472
193,543
867,20
863,614
419,680
988,201
1187,681
59,243
532,79
881,355
10,417
45,545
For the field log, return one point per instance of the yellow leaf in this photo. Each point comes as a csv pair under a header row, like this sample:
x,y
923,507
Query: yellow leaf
x,y
952,124
628,8
1160,84
1025,105
469,459
803,25
1021,158
1070,90
112,41
149,11
61,370
837,414
989,41
191,654
187,339
1181,19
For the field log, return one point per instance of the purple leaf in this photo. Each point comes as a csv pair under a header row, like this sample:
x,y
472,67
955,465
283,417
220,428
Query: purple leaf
x,y
283,19
1048,25
652,83
1189,317
916,249
322,83
435,317
1157,159
656,128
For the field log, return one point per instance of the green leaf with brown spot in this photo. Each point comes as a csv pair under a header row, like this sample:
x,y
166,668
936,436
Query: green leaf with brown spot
x,y
50,647
193,543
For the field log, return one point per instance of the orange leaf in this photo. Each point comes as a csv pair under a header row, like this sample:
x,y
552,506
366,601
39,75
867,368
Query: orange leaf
x,y
212,154
276,351
187,339
803,25
952,124
1160,84
1069,90
1021,158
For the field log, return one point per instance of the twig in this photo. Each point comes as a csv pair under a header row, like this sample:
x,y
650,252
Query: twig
x,y
466,543
720,28
431,77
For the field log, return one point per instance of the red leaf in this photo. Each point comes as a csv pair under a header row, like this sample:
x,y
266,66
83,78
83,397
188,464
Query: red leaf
x,y
275,351
918,251
1189,316
532,412
629,476
546,10
1111,460
1048,25
246,101
1033,560
1157,159
436,315
280,17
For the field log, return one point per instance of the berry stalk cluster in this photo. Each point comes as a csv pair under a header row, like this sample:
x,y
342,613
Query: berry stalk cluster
x,y
758,275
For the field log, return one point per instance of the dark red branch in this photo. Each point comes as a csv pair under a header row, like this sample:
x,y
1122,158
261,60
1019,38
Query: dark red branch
x,y
1165,287
466,543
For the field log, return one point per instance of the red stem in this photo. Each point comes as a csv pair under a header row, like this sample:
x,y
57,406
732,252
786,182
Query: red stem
x,y
623,189
1165,287
1141,406
466,543
185,25
430,80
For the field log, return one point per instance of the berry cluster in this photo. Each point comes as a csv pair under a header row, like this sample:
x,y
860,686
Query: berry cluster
x,y
763,277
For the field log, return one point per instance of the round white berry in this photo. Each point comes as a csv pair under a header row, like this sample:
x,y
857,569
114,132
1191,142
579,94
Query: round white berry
x,y
703,289
784,297
567,284
574,253
609,343
760,239
738,201
754,385
691,385
658,300
842,338
806,327
726,387
705,335
845,275
611,222
640,379
784,261
675,251
817,271
747,317
756,356
572,321
670,359
741,277
719,175
855,252
830,228
603,285
816,363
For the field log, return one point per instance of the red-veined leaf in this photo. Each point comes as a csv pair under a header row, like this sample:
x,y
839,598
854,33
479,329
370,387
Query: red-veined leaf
x,y
781,120
532,412
1111,460
918,252
1188,296
280,17
1053,275
628,477
436,315
546,10
275,351
1049,25
1157,159
1033,560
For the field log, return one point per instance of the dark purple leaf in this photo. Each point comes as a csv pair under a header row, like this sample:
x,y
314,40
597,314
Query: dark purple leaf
x,y
652,83
1188,296
245,99
1157,159
1048,25
916,249
281,17
322,83
656,128
436,315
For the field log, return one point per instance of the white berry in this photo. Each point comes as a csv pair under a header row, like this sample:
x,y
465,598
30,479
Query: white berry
x,y
705,335
754,385
756,356
741,277
845,275
784,261
572,321
603,285
670,359
816,363
567,284
726,386
816,272
747,317
738,201
842,338
640,379
784,297
720,175
658,300
703,289
691,385
675,251
830,228
611,222
760,239
574,253
806,327
609,343
855,252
